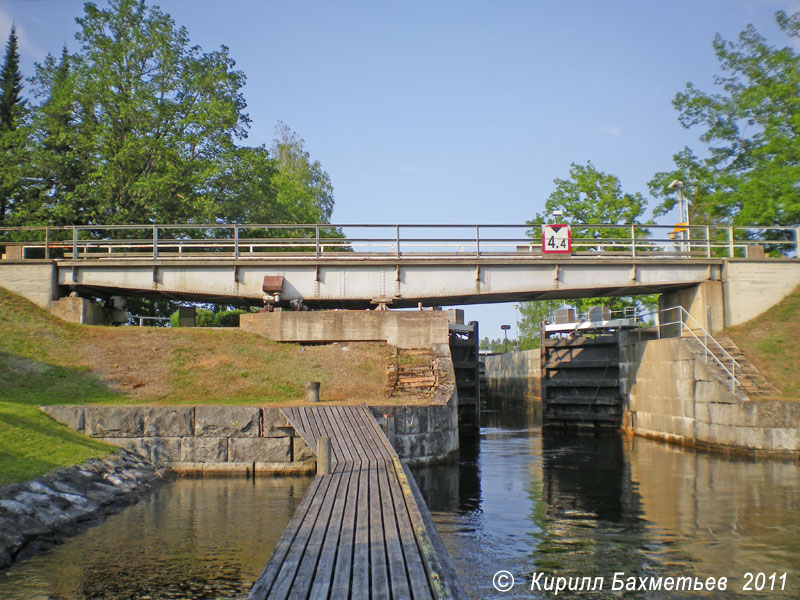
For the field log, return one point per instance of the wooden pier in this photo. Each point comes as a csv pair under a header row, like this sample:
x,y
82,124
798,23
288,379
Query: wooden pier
x,y
363,531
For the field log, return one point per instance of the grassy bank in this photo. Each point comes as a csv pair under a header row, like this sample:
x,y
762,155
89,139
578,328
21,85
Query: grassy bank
x,y
771,342
46,361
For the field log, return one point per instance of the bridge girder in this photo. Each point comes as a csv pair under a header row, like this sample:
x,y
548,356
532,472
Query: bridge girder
x,y
359,282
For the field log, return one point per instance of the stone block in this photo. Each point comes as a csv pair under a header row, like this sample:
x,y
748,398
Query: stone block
x,y
227,421
711,392
771,413
702,431
71,416
786,438
724,435
164,449
759,438
301,452
113,421
701,412
684,389
168,421
204,449
259,449
438,418
721,414
274,424
134,444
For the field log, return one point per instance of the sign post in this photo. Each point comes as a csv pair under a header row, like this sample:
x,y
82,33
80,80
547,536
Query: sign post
x,y
556,239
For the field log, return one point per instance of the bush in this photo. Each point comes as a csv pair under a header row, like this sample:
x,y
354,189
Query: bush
x,y
230,318
203,318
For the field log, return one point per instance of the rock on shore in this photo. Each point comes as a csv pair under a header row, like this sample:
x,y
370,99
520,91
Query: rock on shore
x,y
38,514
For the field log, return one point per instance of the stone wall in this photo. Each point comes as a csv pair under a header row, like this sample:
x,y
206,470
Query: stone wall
x,y
203,439
674,395
250,439
422,434
513,379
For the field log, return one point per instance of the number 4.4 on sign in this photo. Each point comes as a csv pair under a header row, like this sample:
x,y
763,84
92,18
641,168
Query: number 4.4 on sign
x,y
556,239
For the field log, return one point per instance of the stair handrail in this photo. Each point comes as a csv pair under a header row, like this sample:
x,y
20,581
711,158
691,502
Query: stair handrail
x,y
683,324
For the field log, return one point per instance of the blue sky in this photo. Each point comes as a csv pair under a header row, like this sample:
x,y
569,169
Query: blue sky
x,y
454,112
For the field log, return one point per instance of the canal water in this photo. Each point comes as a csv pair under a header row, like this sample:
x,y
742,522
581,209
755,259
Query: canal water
x,y
532,505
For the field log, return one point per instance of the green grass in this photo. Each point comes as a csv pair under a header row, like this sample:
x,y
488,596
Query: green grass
x,y
44,360
771,342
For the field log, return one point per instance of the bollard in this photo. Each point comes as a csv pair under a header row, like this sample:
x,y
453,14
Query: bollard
x,y
312,391
323,456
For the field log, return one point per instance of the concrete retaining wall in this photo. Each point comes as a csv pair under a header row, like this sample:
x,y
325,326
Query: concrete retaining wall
x,y
404,329
220,439
673,395
513,379
34,280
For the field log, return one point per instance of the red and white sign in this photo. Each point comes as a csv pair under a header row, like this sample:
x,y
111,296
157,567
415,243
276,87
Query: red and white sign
x,y
556,239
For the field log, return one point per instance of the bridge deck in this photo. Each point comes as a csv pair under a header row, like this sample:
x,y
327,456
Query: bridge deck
x,y
361,532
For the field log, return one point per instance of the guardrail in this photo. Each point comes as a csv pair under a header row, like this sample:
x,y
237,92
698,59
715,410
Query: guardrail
x,y
397,240
688,326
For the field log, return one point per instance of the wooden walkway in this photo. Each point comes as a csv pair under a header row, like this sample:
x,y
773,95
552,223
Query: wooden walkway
x,y
361,532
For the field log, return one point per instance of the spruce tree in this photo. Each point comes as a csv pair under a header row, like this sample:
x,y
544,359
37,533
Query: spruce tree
x,y
12,138
11,102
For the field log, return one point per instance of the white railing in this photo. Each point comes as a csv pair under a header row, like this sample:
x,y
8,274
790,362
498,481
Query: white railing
x,y
395,240
688,326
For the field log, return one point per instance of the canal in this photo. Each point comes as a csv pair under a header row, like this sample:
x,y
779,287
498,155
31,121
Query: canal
x,y
533,505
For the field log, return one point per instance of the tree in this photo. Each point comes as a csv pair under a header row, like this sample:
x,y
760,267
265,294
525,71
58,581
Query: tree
x,y
13,133
303,188
590,196
751,174
150,117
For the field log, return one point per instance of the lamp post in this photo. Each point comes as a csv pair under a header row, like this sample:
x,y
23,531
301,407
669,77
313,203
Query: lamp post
x,y
677,185
505,329
516,322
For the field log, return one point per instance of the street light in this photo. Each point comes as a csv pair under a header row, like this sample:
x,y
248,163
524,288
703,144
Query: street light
x,y
516,321
505,329
677,185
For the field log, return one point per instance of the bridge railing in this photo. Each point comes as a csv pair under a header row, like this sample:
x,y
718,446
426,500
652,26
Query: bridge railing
x,y
390,240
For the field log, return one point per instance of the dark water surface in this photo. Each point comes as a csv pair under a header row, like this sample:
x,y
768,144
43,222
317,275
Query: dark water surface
x,y
195,538
520,501
580,506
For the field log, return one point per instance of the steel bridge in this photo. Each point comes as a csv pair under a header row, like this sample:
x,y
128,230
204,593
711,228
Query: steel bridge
x,y
398,265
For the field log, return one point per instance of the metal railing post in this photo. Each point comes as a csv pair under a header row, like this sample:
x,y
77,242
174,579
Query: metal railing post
x,y
155,241
236,240
316,239
74,242
397,240
708,241
730,242
46,243
797,241
477,241
633,240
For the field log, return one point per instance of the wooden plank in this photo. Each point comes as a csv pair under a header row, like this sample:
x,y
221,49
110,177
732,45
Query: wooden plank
x,y
379,571
363,447
266,579
417,577
394,549
285,577
291,561
441,572
344,554
350,441
319,416
341,434
316,567
360,577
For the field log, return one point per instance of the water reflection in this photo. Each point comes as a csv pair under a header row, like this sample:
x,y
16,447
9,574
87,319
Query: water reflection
x,y
591,506
192,539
